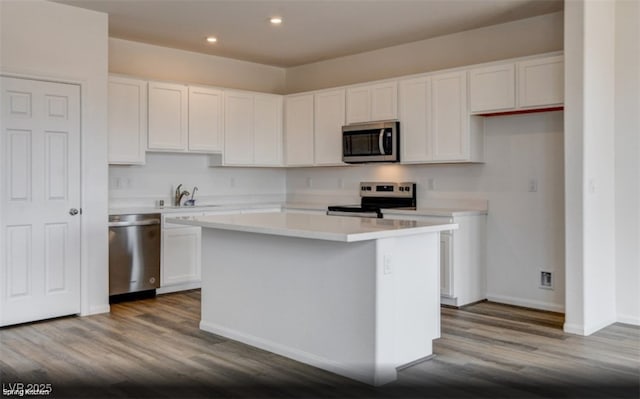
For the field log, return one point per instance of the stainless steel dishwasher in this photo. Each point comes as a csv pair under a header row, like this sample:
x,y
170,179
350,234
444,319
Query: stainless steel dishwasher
x,y
134,253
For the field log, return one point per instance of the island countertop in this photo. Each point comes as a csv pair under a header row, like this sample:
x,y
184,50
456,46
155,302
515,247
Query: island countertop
x,y
313,226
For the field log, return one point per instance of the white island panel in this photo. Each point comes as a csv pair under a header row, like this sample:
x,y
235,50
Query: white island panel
x,y
330,304
358,297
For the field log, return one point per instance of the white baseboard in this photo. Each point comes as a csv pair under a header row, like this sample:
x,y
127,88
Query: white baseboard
x,y
449,301
97,310
178,287
527,303
627,319
292,353
587,330
576,329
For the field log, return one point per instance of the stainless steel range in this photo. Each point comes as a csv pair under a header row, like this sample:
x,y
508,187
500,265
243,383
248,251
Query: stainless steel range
x,y
376,196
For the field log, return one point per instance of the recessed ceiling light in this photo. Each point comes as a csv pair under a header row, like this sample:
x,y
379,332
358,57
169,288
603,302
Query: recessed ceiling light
x,y
276,20
212,39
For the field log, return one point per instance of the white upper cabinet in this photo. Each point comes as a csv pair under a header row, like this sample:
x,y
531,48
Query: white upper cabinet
x,y
238,128
415,138
168,116
384,101
449,117
299,123
127,120
329,118
492,88
541,82
374,102
252,129
358,104
435,125
267,130
205,119
536,83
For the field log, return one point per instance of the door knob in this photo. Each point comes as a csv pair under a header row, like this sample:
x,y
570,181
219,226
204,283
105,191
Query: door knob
x,y
73,211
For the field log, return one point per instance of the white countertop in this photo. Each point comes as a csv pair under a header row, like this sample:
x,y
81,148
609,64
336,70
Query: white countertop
x,y
444,212
191,209
421,211
320,227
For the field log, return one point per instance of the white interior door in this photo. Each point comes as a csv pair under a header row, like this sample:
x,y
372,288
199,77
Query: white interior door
x,y
39,189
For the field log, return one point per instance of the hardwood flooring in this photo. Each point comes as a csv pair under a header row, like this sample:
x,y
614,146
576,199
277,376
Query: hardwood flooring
x,y
153,348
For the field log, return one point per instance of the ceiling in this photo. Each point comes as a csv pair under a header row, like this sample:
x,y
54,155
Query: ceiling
x,y
313,30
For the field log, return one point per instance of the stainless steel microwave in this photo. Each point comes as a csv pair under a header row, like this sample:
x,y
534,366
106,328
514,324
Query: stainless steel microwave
x,y
371,142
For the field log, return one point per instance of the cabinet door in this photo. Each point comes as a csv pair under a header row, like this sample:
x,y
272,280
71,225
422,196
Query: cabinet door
x,y
181,255
446,265
238,128
449,117
267,130
168,119
414,120
384,101
358,104
299,130
205,119
492,88
127,121
329,119
541,82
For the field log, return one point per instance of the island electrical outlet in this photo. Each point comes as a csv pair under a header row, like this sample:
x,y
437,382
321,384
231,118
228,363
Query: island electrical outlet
x,y
387,265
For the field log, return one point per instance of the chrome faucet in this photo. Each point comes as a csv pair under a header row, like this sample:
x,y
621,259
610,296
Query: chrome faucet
x,y
179,194
192,201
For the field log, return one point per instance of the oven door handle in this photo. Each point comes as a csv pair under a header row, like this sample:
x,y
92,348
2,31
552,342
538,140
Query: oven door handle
x,y
381,142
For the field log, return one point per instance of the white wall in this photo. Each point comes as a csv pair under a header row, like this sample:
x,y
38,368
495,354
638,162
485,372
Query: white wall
x,y
535,35
589,100
525,230
143,185
62,43
162,63
627,163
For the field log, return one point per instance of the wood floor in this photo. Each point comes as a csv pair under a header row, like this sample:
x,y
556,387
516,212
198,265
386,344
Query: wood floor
x,y
153,348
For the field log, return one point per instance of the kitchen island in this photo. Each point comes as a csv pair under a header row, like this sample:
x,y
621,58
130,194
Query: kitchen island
x,y
355,296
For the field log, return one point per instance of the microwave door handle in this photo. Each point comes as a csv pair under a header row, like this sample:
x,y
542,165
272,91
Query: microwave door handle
x,y
381,142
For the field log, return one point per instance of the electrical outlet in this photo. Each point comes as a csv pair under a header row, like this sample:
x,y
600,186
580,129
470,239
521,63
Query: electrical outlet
x,y
387,265
309,182
431,183
546,280
533,185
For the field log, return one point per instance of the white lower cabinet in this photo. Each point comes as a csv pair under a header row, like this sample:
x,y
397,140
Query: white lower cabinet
x,y
181,256
181,260
462,257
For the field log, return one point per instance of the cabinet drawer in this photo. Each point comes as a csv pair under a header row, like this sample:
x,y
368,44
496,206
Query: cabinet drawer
x,y
167,225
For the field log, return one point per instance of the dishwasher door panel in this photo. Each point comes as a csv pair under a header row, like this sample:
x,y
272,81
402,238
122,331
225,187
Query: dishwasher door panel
x,y
134,258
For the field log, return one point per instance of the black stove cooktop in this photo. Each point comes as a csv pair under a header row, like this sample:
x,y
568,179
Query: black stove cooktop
x,y
378,196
